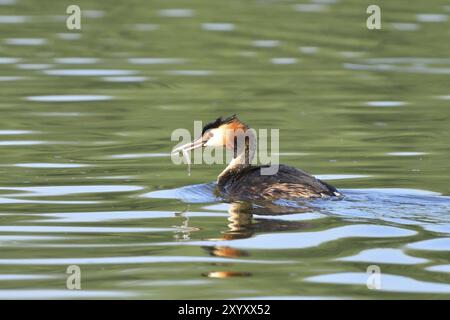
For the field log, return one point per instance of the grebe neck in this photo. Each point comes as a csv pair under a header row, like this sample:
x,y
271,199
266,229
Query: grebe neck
x,y
243,156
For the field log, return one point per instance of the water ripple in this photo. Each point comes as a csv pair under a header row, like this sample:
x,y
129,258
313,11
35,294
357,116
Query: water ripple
x,y
390,256
145,27
310,7
7,239
42,165
76,60
13,19
438,244
69,36
439,228
406,153
7,2
440,268
417,65
386,103
69,98
11,78
67,190
431,17
71,229
283,61
131,260
389,282
125,79
218,26
176,13
190,72
25,41
21,142
25,277
400,26
89,72
156,60
61,294
99,216
301,240
15,132
10,201
139,155
33,66
8,60
266,43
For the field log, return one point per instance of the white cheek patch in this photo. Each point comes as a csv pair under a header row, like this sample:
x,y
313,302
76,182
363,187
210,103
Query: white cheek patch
x,y
216,140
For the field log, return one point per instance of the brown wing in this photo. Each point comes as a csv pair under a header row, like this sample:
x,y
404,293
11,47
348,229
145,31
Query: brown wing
x,y
287,183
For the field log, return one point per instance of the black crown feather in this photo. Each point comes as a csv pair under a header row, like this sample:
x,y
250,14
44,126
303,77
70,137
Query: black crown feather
x,y
218,122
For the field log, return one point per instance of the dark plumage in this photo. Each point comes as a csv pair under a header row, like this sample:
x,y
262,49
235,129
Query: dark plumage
x,y
246,183
218,122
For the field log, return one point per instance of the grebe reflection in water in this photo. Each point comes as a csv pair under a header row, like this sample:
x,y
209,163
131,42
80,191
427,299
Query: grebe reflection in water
x,y
242,225
243,181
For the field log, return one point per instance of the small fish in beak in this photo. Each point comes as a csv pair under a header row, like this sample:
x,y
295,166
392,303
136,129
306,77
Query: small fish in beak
x,y
212,136
198,143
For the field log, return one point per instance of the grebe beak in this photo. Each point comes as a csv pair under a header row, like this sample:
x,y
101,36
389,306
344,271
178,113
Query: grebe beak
x,y
198,143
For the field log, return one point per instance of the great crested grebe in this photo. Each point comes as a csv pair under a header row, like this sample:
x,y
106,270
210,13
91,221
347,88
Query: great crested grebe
x,y
243,181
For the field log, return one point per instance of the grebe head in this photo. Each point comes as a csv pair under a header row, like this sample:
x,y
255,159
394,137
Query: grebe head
x,y
218,133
